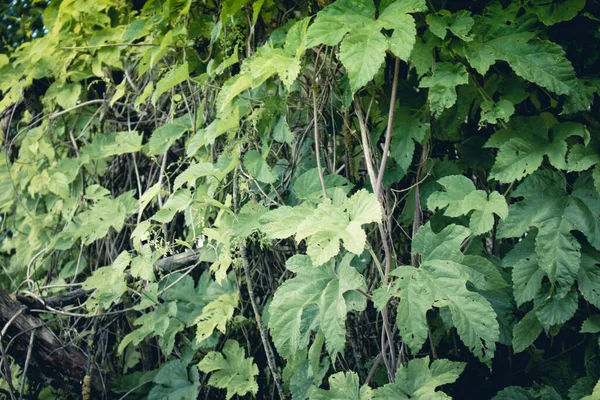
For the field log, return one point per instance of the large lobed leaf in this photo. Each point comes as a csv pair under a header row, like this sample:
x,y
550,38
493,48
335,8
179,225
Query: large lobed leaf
x,y
315,299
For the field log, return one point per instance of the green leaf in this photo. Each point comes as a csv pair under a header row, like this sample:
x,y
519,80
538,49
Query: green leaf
x,y
363,53
407,131
526,273
164,137
441,282
108,283
514,393
176,76
332,23
556,11
539,61
595,393
308,185
161,322
125,142
343,386
526,331
192,173
459,24
419,380
107,213
231,370
248,220
588,276
174,382
59,184
555,310
591,324
282,132
412,309
523,147
283,222
483,206
442,85
492,112
460,198
313,300
329,224
216,315
582,157
178,201
68,95
258,167
547,206
458,187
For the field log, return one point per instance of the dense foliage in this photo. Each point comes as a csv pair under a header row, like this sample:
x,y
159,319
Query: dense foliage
x,y
389,200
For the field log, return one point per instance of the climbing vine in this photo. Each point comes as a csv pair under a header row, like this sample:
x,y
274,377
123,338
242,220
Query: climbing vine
x,y
362,199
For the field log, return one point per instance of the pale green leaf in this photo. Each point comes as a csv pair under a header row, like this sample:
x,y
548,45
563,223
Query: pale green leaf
x,y
419,380
164,137
339,18
248,219
404,36
68,95
178,201
231,370
444,245
595,393
282,132
442,85
458,187
313,300
283,221
125,142
492,112
107,213
308,185
216,315
59,184
108,283
176,76
443,275
412,310
363,53
523,147
231,88
192,173
258,167
363,208
343,386
483,207
329,224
